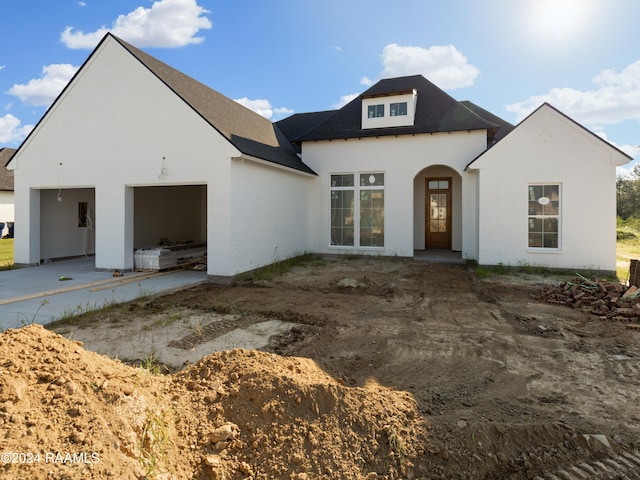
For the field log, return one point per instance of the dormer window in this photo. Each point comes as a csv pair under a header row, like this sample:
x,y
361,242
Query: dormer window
x,y
397,109
391,109
376,111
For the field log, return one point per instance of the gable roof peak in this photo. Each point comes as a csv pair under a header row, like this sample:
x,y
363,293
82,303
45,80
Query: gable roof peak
x,y
248,131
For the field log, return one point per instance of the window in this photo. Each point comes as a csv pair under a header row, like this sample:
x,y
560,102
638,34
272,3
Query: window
x,y
438,184
544,216
83,214
375,111
372,209
398,109
367,200
342,210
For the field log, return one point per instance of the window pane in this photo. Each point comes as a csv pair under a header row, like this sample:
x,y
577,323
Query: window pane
x,y
342,180
535,208
535,192
372,218
535,225
438,184
397,109
342,206
535,240
552,191
374,111
377,199
371,179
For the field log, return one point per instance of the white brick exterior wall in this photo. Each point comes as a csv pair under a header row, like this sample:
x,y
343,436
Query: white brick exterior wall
x,y
403,160
117,128
549,148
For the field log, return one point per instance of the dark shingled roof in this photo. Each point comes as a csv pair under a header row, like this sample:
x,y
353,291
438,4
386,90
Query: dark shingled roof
x,y
505,127
6,176
300,123
248,131
436,111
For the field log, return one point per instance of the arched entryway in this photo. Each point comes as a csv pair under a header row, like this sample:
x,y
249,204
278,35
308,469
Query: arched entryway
x,y
437,209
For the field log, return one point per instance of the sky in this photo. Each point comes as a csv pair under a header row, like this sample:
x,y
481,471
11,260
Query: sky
x,y
280,57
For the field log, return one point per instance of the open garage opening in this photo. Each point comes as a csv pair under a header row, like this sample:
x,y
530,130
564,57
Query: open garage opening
x,y
170,226
67,223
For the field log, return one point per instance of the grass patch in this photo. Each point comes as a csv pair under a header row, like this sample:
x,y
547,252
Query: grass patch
x,y
487,271
628,246
281,267
6,253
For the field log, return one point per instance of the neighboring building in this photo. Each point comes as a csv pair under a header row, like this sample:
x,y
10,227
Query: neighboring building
x,y
133,152
6,191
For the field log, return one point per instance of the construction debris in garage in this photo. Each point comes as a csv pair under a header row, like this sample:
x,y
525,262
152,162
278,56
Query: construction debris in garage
x,y
168,255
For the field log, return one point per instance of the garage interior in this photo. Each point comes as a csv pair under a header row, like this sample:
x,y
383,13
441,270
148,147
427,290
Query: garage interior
x,y
170,226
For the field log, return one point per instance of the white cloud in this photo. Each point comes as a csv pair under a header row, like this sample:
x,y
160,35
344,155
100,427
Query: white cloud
x,y
264,107
168,23
344,100
44,90
82,4
1,67
443,65
281,112
11,131
615,98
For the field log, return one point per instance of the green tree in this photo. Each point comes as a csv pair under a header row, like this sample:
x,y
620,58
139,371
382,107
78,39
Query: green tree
x,y
628,194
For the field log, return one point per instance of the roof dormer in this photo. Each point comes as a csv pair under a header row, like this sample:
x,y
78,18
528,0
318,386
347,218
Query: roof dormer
x,y
393,109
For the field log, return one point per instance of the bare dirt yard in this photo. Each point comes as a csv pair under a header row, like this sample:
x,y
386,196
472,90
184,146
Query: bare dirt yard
x,y
358,368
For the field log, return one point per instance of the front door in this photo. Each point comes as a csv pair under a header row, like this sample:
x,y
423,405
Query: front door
x,y
438,228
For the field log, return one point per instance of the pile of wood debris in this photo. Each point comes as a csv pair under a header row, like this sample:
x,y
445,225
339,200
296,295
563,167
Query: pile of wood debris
x,y
609,300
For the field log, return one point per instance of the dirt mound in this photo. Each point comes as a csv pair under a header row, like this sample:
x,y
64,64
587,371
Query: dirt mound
x,y
69,413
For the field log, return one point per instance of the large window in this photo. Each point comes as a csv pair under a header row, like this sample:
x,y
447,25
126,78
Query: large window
x,y
342,209
357,208
544,216
372,209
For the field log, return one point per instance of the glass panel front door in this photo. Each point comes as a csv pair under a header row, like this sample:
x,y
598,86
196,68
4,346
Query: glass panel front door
x,y
438,225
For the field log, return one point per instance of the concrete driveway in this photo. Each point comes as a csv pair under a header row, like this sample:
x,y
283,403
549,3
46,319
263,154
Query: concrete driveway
x,y
37,294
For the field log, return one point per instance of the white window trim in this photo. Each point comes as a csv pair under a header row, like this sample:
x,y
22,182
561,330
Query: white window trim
x,y
560,215
356,206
